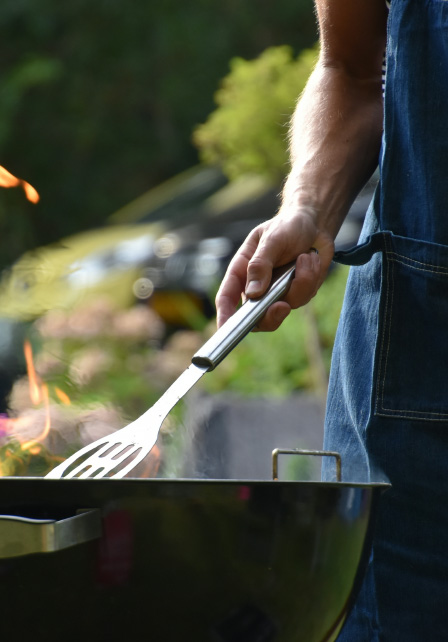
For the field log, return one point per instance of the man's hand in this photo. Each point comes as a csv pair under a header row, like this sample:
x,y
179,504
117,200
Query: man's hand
x,y
285,238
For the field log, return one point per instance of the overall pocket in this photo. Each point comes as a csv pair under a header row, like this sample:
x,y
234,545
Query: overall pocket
x,y
411,371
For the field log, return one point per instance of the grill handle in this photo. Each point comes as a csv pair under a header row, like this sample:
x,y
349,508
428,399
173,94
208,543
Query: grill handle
x,y
300,451
20,536
242,322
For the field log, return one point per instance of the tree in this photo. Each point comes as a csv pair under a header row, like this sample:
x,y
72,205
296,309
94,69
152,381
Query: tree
x,y
248,132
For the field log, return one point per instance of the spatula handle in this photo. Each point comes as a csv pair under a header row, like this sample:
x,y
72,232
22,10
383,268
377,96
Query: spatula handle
x,y
242,322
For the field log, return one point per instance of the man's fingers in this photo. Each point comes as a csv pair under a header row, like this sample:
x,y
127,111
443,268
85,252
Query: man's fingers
x,y
279,243
259,275
271,244
306,280
274,317
303,287
234,282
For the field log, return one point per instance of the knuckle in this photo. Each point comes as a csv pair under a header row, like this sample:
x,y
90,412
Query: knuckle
x,y
258,268
256,263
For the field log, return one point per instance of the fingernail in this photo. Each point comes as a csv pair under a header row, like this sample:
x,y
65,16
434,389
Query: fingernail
x,y
305,262
253,287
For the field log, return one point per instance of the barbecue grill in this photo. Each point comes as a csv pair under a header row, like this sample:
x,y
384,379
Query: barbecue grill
x,y
152,559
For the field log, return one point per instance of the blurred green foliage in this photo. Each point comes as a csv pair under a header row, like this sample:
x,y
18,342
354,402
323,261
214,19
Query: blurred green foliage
x,y
98,98
247,133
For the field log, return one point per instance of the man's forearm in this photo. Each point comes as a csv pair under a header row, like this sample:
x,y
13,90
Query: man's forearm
x,y
335,142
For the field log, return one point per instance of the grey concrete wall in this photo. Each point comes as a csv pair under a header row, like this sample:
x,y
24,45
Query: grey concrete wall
x,y
228,437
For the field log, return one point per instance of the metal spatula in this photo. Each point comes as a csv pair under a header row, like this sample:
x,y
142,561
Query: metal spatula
x,y
118,453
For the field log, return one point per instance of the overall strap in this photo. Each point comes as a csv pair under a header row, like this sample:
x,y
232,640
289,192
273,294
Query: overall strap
x,y
361,254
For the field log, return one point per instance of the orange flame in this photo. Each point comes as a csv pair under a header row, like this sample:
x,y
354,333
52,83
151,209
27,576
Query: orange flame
x,y
39,394
16,426
35,384
62,396
32,444
9,180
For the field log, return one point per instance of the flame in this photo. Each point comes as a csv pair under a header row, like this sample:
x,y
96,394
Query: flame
x,y
62,396
39,395
35,385
32,444
9,180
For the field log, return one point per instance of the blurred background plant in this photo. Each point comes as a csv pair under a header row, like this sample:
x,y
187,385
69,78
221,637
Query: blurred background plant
x,y
248,132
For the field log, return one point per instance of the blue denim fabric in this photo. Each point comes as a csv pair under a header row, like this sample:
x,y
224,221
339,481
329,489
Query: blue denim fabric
x,y
414,189
387,411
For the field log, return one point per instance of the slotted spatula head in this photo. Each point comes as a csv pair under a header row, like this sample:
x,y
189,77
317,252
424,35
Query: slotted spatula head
x,y
117,454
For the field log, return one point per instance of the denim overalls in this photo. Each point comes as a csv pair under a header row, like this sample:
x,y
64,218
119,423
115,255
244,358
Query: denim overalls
x,y
387,411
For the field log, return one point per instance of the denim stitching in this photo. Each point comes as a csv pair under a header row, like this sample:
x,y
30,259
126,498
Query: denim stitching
x,y
390,286
389,412
438,270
